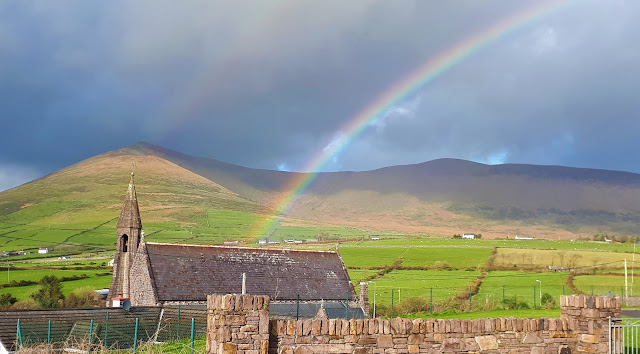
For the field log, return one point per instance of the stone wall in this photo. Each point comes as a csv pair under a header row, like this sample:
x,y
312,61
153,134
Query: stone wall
x,y
237,324
583,327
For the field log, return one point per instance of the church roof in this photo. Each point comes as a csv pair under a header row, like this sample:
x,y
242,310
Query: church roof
x,y
130,214
184,272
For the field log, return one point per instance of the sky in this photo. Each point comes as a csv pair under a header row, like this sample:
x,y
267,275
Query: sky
x,y
272,84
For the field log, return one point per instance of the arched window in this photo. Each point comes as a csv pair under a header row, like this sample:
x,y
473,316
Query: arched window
x,y
124,239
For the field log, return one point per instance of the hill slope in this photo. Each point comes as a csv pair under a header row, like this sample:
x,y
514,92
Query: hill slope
x,y
443,197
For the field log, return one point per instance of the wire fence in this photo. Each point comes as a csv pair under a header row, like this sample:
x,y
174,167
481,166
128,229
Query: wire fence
x,y
113,331
393,301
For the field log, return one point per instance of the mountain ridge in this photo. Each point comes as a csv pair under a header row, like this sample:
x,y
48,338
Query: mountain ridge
x,y
439,197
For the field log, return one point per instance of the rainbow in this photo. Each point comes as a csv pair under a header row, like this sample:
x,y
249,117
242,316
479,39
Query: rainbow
x,y
401,90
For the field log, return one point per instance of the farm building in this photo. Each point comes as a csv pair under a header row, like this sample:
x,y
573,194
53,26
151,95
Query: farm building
x,y
158,274
43,250
469,236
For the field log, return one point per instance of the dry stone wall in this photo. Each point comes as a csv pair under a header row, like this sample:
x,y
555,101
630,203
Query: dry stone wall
x,y
583,327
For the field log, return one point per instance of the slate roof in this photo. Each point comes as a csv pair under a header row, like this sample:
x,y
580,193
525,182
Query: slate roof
x,y
190,272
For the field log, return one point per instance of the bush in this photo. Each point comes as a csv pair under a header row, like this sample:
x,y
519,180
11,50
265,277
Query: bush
x,y
83,297
412,305
512,303
50,293
7,300
26,304
547,301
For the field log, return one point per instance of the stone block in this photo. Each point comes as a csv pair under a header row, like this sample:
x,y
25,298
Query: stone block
x,y
589,338
345,328
416,339
416,326
385,341
248,328
263,322
325,326
397,326
532,338
352,327
413,348
487,342
227,348
316,327
306,327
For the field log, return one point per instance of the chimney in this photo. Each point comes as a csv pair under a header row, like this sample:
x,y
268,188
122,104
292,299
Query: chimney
x,y
364,297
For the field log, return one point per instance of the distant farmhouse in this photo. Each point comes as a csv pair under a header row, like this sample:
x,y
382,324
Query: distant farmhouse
x,y
523,238
469,236
156,274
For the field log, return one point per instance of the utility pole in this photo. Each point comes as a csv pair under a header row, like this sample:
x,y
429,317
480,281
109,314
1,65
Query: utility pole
x,y
244,283
626,289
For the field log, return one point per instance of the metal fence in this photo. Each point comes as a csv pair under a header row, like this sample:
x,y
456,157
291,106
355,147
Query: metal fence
x,y
114,332
624,335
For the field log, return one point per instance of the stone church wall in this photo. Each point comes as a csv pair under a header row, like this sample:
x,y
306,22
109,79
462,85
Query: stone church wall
x,y
141,283
238,324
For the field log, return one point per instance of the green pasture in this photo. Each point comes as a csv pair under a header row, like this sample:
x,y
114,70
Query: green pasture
x,y
37,274
520,285
23,292
438,257
455,257
431,241
371,256
602,284
421,283
566,258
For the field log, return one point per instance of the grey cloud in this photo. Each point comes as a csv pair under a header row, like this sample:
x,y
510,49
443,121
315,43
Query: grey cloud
x,y
269,83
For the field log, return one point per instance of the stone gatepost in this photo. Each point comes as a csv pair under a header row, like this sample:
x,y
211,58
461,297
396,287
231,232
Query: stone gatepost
x,y
237,324
364,297
589,317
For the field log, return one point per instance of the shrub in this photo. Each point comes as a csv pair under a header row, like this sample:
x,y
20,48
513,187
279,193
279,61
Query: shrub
x,y
547,301
512,303
7,300
412,305
50,292
83,297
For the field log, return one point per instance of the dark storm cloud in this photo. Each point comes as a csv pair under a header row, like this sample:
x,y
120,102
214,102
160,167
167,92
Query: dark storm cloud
x,y
264,84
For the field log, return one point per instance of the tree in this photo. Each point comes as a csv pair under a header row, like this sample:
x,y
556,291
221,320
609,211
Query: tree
x,y
50,292
7,300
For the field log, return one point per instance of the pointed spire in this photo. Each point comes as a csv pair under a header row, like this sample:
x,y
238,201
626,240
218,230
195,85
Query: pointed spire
x,y
130,214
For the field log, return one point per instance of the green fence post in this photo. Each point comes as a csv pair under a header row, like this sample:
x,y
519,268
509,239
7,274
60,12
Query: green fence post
x,y
19,333
178,326
431,301
298,307
193,325
135,336
469,298
534,297
392,303
90,333
106,332
562,289
347,310
503,296
49,333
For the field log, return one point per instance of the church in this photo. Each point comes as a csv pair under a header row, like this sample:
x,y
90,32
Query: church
x,y
159,274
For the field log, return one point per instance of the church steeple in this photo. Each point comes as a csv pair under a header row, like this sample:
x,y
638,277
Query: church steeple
x,y
129,229
130,214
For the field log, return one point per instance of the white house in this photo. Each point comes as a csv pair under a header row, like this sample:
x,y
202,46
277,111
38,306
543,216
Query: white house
x,y
469,236
523,238
43,250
